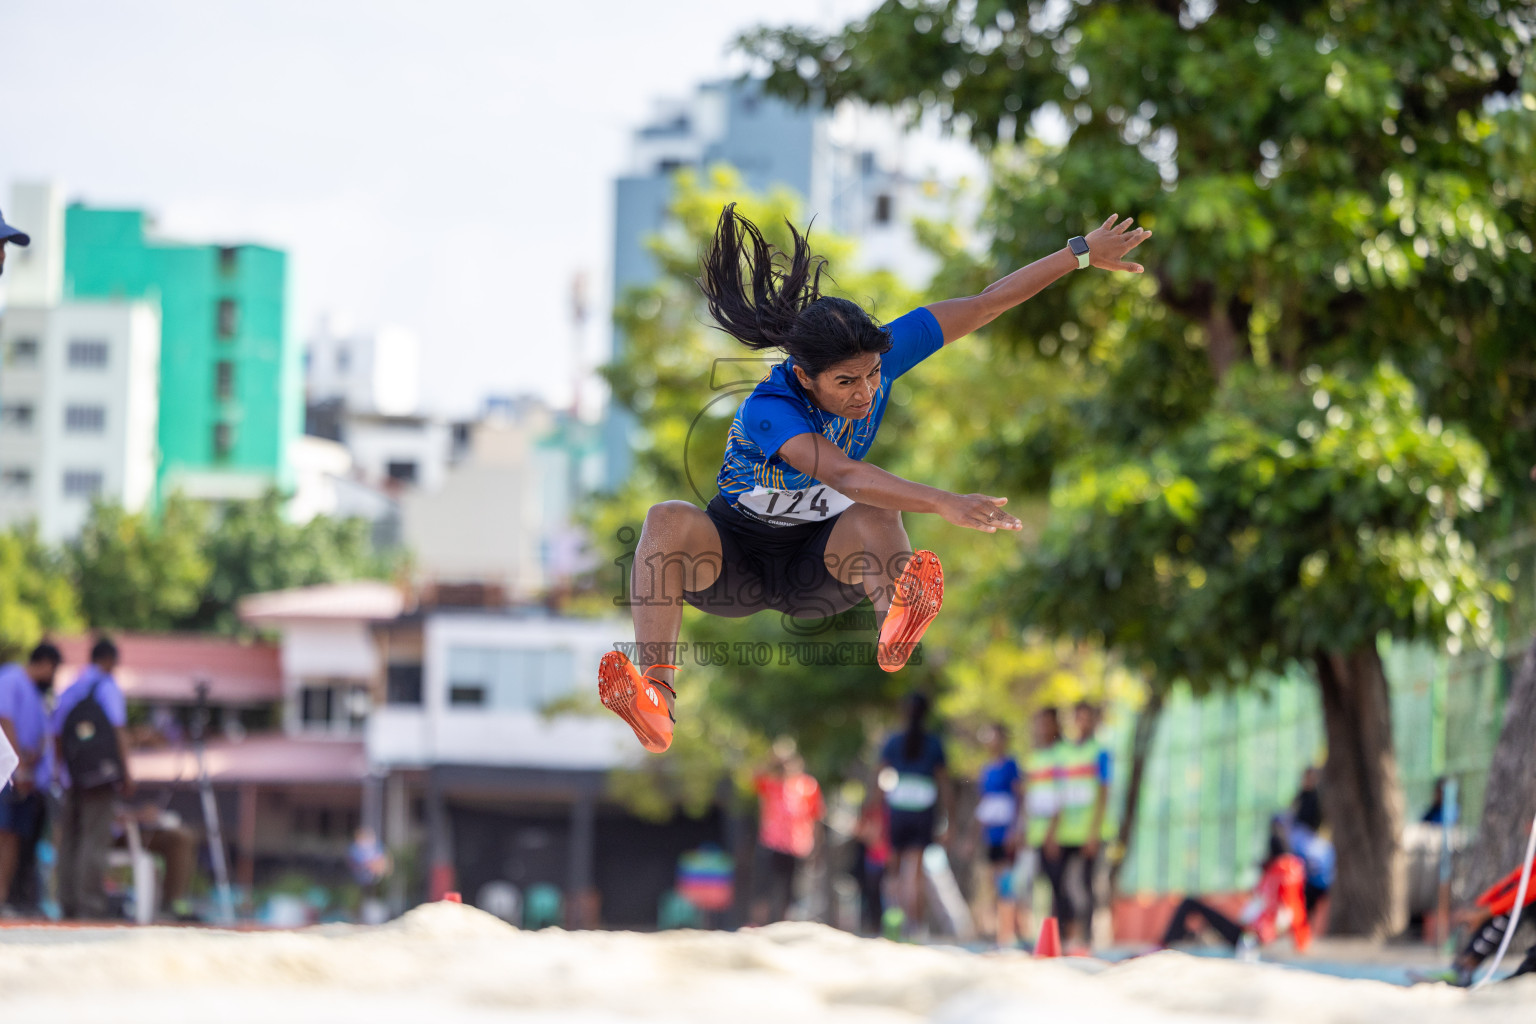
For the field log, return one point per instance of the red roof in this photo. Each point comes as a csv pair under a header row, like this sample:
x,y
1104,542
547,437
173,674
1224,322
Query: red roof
x,y
168,666
269,759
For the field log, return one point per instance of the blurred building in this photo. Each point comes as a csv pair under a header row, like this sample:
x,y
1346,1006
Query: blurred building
x,y
500,516
327,483
376,371
288,799
487,759
862,173
230,383
79,387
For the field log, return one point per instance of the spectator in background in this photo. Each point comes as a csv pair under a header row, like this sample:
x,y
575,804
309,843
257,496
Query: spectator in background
x,y
1072,853
1309,841
996,824
872,851
789,808
914,778
368,861
163,832
1276,906
1435,813
1307,808
1041,800
23,804
89,728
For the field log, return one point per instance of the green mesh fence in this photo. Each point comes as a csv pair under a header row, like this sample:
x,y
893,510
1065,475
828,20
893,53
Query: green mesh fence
x,y
1221,765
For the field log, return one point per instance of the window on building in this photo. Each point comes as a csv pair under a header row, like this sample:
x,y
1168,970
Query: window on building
x,y
466,696
85,419
403,684
16,416
401,471
82,483
343,359
510,678
229,318
883,208
224,380
329,706
223,440
22,353
87,354
316,704
16,481
229,260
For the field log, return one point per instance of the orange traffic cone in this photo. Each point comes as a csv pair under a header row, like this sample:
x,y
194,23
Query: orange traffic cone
x,y
452,897
1049,943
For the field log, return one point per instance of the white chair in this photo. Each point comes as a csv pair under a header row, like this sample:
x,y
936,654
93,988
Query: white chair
x,y
142,863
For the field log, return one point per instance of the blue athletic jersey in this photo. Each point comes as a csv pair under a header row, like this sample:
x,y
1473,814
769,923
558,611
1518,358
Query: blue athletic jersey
x,y
998,808
756,481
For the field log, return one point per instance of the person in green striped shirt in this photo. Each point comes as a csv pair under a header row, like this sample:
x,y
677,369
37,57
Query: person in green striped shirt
x,y
1071,847
1039,802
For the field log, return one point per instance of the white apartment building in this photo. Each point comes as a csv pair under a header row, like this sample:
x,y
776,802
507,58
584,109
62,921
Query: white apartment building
x,y
400,453
376,371
79,388
488,521
486,681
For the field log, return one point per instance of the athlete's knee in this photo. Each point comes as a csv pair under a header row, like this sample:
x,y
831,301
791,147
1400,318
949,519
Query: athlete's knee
x,y
669,523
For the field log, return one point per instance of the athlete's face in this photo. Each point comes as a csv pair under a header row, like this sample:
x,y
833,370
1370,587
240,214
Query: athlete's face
x,y
847,389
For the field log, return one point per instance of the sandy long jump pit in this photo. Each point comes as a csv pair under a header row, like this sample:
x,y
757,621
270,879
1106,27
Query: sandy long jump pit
x,y
445,963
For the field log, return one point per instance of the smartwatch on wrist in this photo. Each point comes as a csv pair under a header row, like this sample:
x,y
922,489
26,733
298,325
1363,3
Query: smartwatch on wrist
x,y
1079,246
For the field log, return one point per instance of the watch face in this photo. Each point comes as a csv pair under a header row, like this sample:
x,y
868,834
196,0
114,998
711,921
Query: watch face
x,y
1079,245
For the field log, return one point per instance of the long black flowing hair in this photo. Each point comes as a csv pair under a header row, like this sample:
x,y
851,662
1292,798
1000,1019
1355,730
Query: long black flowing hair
x,y
766,298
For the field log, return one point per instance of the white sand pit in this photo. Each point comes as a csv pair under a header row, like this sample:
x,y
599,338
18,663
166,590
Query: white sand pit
x,y
448,963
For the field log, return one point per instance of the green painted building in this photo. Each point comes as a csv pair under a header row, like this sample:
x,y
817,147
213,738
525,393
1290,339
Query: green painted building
x,y
231,370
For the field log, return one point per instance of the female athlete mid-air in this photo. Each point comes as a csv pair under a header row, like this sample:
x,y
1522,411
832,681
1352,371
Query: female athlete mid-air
x,y
802,525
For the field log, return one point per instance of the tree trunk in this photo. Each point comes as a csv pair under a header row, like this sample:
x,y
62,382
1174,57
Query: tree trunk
x,y
1221,336
1362,801
1510,799
1141,746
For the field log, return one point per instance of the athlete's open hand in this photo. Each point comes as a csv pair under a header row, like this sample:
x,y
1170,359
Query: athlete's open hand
x,y
979,512
1109,242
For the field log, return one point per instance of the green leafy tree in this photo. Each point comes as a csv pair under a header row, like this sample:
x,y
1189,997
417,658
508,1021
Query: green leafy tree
x,y
252,547
684,381
36,598
135,571
1257,468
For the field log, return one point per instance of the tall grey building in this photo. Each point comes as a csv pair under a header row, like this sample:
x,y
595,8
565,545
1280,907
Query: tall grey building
x,y
861,173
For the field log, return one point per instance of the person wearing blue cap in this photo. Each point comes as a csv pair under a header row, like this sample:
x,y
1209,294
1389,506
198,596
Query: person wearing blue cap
x,y
15,236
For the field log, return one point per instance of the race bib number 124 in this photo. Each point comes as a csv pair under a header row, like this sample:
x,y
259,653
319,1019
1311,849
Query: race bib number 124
x,y
812,505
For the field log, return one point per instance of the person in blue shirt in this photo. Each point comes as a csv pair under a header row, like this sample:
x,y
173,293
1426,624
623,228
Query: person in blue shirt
x,y
996,822
802,524
85,828
23,807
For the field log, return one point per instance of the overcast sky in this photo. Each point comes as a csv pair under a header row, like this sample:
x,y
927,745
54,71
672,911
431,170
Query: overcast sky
x,y
445,165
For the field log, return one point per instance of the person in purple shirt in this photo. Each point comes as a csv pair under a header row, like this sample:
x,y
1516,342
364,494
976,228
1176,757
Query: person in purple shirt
x,y
85,830
23,807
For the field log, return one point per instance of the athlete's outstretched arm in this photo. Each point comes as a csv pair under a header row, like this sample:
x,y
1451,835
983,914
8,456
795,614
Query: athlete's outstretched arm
x,y
1107,246
814,455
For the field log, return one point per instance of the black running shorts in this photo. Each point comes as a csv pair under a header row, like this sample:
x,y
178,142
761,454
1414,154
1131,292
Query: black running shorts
x,y
778,568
